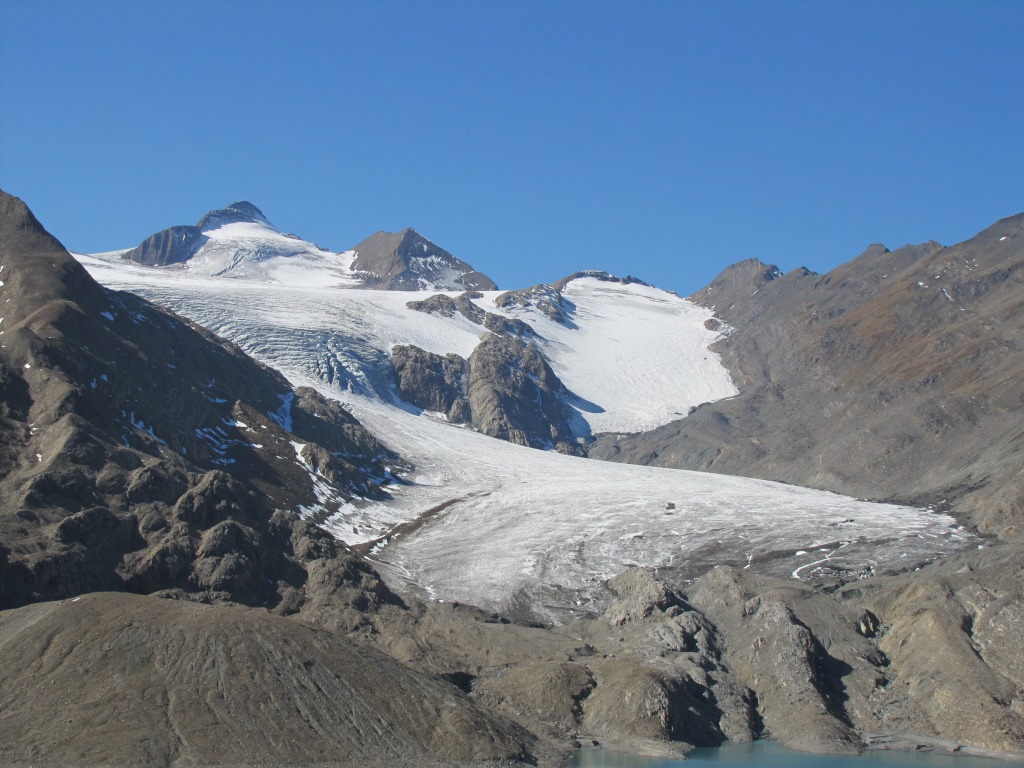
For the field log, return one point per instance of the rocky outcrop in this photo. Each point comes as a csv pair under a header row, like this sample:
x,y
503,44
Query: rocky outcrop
x,y
896,376
506,390
545,298
432,382
446,306
514,395
407,261
173,245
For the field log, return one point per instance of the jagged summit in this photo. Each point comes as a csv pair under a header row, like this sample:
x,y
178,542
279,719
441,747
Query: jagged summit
x,y
242,212
407,261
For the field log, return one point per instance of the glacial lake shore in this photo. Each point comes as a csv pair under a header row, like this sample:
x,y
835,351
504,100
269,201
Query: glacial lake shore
x,y
767,754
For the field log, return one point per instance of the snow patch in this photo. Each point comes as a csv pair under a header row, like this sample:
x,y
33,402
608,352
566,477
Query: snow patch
x,y
283,415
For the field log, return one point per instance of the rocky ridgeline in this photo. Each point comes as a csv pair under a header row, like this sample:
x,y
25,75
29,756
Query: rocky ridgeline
x,y
897,376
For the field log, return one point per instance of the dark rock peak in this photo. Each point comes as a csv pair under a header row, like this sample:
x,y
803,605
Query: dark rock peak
x,y
174,245
407,261
239,212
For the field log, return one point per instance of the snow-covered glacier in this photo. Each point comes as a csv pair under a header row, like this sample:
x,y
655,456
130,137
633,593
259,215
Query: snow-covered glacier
x,y
511,528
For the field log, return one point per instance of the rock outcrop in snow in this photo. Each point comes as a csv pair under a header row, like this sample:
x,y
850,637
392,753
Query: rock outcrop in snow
x,y
506,389
407,261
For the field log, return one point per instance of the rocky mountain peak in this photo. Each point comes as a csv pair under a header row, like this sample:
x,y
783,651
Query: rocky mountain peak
x,y
407,261
178,244
875,249
737,282
242,212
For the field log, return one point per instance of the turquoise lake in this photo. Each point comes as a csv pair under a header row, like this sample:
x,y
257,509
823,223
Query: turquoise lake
x,y
765,754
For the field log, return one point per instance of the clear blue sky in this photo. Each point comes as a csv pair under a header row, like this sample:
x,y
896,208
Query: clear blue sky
x,y
661,139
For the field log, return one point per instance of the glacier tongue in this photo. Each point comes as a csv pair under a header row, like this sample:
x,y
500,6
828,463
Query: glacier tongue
x,y
517,529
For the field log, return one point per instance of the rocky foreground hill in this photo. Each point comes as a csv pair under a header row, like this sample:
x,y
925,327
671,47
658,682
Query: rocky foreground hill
x,y
166,602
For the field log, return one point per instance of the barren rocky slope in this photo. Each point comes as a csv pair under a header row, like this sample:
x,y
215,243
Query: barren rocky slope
x,y
141,452
117,679
896,376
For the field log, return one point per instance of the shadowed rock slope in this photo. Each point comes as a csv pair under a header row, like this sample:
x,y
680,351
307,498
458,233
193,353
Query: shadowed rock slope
x,y
897,376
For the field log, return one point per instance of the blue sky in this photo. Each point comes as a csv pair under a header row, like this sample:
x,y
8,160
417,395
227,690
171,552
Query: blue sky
x,y
665,140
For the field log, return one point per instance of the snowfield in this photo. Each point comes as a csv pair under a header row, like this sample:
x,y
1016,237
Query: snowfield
x,y
515,529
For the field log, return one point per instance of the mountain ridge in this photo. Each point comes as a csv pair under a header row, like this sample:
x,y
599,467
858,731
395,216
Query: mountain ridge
x,y
851,380
228,240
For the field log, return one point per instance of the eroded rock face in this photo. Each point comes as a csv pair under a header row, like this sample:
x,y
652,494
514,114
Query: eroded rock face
x,y
743,656
433,382
506,390
514,395
947,635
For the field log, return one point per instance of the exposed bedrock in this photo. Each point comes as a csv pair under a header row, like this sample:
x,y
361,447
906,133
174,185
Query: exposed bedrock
x,y
506,390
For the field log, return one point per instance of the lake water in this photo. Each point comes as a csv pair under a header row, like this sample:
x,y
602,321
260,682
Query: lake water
x,y
766,754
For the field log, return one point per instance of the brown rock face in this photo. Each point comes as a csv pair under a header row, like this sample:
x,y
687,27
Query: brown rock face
x,y
407,261
515,396
506,390
432,382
